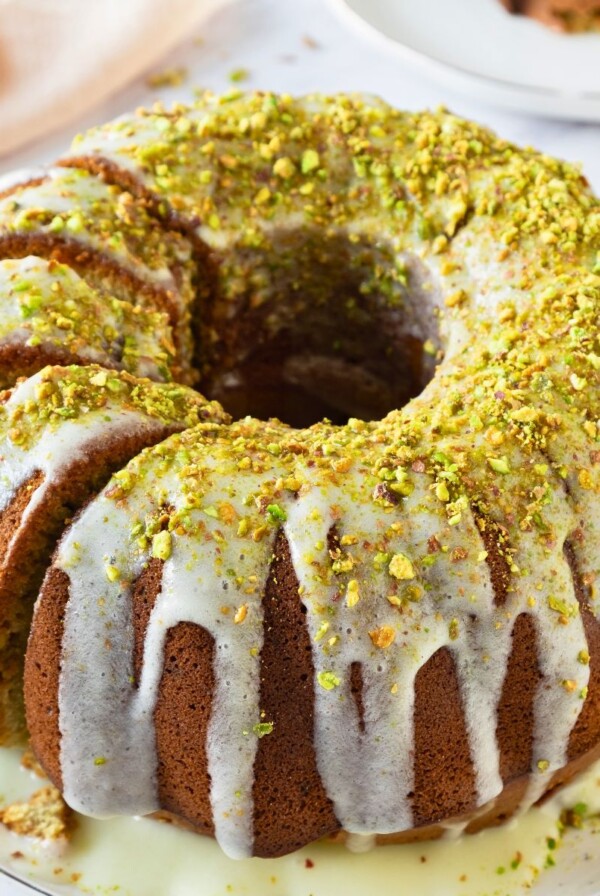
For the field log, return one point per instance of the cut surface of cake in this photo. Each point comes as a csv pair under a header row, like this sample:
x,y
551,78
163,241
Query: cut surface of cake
x,y
107,237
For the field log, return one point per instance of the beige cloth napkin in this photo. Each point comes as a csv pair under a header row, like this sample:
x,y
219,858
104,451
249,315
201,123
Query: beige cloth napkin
x,y
59,57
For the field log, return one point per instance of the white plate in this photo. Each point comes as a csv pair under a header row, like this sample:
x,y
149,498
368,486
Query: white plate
x,y
12,886
476,47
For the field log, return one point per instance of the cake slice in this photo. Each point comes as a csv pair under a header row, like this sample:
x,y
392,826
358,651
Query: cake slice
x,y
109,239
50,315
44,816
62,433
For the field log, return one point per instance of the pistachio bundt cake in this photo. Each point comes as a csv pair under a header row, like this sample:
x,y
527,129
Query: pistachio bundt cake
x,y
382,625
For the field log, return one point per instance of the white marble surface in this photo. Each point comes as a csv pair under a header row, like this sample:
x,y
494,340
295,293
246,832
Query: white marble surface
x,y
268,37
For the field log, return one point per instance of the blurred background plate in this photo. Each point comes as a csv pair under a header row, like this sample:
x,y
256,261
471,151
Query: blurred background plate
x,y
476,47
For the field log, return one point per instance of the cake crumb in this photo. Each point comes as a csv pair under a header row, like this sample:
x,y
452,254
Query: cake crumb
x,y
45,815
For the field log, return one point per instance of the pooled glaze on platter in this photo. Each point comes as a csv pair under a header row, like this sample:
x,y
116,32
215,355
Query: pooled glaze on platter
x,y
141,856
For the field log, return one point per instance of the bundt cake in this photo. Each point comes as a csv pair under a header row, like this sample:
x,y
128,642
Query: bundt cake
x,y
564,15
382,626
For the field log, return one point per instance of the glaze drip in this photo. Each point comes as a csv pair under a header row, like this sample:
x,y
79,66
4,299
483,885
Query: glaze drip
x,y
413,609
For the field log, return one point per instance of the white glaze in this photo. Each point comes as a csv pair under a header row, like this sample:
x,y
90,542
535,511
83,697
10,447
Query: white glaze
x,y
20,176
367,775
193,590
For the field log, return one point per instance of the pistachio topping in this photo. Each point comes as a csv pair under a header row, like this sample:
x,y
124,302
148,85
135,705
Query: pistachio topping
x,y
401,567
328,680
74,393
53,307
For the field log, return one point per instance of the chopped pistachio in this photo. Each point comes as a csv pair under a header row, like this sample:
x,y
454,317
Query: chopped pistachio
x,y
499,464
161,545
276,513
352,593
441,491
113,573
328,680
401,567
322,630
261,729
310,161
240,614
383,636
284,168
239,74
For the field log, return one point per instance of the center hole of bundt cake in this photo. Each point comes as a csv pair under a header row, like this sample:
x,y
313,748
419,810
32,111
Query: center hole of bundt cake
x,y
317,325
